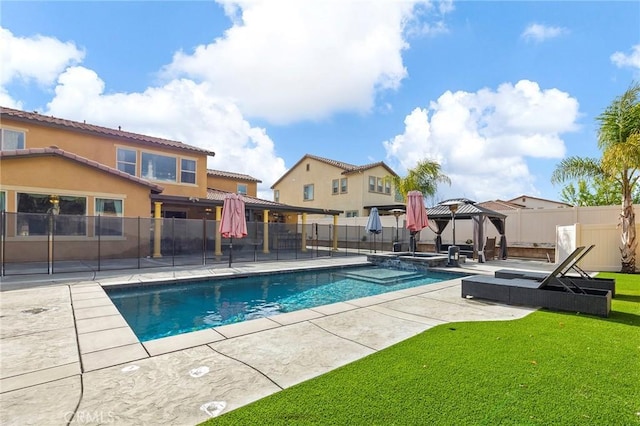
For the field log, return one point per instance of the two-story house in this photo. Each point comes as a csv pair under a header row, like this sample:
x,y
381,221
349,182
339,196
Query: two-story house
x,y
324,183
95,176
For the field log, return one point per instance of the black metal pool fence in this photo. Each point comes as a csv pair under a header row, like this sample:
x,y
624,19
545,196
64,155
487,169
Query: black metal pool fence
x,y
36,243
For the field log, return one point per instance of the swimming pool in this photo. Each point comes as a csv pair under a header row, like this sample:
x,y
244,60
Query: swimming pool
x,y
161,310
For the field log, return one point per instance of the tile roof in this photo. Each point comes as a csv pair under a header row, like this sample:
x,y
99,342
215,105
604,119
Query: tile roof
x,y
500,205
50,121
217,195
345,167
335,163
52,151
541,199
232,175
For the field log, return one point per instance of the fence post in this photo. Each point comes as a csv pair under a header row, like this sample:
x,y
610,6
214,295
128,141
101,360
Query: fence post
x,y
3,247
173,241
99,229
50,244
204,241
138,242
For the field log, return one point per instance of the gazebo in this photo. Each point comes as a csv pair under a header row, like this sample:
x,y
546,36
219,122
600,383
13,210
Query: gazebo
x,y
443,213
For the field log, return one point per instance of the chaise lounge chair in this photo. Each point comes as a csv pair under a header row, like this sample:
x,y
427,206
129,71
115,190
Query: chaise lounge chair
x,y
583,279
551,293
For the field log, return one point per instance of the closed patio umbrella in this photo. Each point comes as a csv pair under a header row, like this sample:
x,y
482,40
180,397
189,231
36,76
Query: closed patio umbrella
x,y
233,223
374,226
416,216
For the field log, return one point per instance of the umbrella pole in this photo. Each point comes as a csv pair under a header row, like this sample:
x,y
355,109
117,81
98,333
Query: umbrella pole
x,y
230,250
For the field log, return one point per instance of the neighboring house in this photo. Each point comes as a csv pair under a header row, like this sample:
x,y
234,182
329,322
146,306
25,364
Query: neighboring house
x,y
498,205
323,183
529,202
233,182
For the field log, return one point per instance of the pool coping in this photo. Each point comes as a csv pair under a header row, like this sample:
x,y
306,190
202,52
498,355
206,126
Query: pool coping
x,y
105,339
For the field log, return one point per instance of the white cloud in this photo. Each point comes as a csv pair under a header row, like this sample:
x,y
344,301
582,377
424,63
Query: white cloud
x,y
180,110
294,60
632,60
40,59
541,32
482,139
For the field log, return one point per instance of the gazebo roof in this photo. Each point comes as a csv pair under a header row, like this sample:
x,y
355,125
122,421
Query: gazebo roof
x,y
466,210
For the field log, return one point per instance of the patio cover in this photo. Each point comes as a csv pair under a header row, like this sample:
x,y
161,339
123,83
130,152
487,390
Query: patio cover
x,y
467,209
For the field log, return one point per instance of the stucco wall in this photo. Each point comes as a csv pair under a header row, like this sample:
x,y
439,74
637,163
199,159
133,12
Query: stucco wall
x,y
60,176
103,150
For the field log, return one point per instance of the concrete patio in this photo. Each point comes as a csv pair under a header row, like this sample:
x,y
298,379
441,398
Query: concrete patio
x,y
68,356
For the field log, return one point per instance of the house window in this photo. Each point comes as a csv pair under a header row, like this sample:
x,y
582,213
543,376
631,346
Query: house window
x,y
187,171
387,186
158,167
372,184
334,186
127,161
343,185
33,214
307,192
242,188
3,197
308,166
11,140
380,185
352,213
276,195
110,219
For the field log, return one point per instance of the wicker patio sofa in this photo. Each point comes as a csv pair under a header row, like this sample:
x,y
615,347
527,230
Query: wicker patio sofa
x,y
551,292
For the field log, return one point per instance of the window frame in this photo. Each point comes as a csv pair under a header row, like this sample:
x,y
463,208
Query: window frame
x,y
276,195
372,184
40,218
2,138
246,188
127,163
344,185
335,186
193,172
117,218
307,192
155,176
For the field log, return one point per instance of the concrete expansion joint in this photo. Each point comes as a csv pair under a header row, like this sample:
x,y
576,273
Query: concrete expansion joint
x,y
342,337
257,370
75,328
80,397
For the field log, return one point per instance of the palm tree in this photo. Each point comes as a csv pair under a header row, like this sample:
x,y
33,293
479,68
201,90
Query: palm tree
x,y
619,142
425,178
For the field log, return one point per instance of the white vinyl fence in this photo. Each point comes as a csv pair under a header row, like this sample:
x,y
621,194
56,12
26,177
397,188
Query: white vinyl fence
x,y
564,228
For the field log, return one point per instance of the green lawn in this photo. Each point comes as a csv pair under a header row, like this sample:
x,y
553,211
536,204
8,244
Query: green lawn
x,y
547,368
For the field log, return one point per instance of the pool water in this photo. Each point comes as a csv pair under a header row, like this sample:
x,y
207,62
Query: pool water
x,y
156,311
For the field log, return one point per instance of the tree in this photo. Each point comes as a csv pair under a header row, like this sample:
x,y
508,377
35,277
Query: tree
x,y
600,192
619,142
425,178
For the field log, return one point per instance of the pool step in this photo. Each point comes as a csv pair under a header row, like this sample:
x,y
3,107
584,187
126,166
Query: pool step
x,y
384,279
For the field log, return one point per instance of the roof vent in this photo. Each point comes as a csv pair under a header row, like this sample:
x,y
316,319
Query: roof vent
x,y
54,147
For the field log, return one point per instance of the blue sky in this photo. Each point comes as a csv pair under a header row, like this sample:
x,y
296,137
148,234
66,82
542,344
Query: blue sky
x,y
497,92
